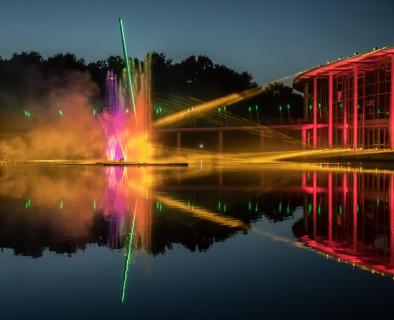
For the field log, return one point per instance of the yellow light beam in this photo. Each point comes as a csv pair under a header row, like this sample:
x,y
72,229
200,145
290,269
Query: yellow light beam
x,y
226,100
203,214
205,106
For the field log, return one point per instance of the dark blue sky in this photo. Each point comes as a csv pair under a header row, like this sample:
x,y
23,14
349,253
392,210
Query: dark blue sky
x,y
270,39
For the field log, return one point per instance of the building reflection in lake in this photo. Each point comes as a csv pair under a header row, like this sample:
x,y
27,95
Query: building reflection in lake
x,y
350,216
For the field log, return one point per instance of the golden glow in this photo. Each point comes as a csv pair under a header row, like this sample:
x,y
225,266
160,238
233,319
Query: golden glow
x,y
206,106
202,213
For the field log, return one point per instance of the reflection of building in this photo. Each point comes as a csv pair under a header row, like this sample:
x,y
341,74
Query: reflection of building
x,y
350,216
350,102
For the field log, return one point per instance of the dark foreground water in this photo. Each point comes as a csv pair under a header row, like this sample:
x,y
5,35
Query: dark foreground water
x,y
195,243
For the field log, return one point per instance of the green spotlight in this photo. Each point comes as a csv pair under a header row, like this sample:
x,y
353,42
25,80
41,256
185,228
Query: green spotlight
x,y
61,113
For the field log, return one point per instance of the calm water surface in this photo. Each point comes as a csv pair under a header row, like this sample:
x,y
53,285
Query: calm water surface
x,y
195,243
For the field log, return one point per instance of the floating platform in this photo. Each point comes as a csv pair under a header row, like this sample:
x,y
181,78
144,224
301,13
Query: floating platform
x,y
101,163
144,164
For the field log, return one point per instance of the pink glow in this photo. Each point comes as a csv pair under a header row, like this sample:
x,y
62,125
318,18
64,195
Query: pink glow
x,y
355,109
127,194
315,112
345,256
354,250
346,63
314,203
345,122
126,132
330,114
355,189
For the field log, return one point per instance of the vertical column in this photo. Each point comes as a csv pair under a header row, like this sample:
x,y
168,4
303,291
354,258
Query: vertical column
x,y
329,206
345,102
314,190
315,112
392,104
303,186
306,100
355,190
330,107
303,136
220,141
355,107
178,142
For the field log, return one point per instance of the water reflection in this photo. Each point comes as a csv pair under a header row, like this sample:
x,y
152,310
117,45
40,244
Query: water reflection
x,y
350,216
346,215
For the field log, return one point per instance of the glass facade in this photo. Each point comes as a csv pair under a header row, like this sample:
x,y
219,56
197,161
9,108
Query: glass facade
x,y
349,103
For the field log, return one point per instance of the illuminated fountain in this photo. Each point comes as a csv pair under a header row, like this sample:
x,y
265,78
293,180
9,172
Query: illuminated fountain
x,y
126,117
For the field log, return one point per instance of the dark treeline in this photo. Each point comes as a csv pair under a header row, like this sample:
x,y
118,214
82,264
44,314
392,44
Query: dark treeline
x,y
196,77
27,76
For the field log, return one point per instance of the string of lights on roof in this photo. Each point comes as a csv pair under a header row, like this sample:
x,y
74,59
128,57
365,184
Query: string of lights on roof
x,y
350,56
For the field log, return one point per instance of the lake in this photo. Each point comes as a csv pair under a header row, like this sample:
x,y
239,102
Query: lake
x,y
199,242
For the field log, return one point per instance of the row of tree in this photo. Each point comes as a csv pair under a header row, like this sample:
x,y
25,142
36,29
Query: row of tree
x,y
27,76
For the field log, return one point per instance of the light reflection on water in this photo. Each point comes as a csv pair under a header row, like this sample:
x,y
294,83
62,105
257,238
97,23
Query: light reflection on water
x,y
158,221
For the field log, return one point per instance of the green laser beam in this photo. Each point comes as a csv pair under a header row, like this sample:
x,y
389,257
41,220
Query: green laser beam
x,y
126,57
127,260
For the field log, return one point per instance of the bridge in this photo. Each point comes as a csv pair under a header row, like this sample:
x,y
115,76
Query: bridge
x,y
257,128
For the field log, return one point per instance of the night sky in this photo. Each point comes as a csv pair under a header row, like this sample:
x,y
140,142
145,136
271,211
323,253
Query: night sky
x,y
270,39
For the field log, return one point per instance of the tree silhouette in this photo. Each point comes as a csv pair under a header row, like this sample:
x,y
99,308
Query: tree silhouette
x,y
27,76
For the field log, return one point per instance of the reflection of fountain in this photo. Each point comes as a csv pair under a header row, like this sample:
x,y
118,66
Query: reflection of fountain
x,y
128,195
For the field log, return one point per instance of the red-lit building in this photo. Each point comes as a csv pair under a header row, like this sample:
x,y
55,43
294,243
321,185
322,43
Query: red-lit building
x,y
350,102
